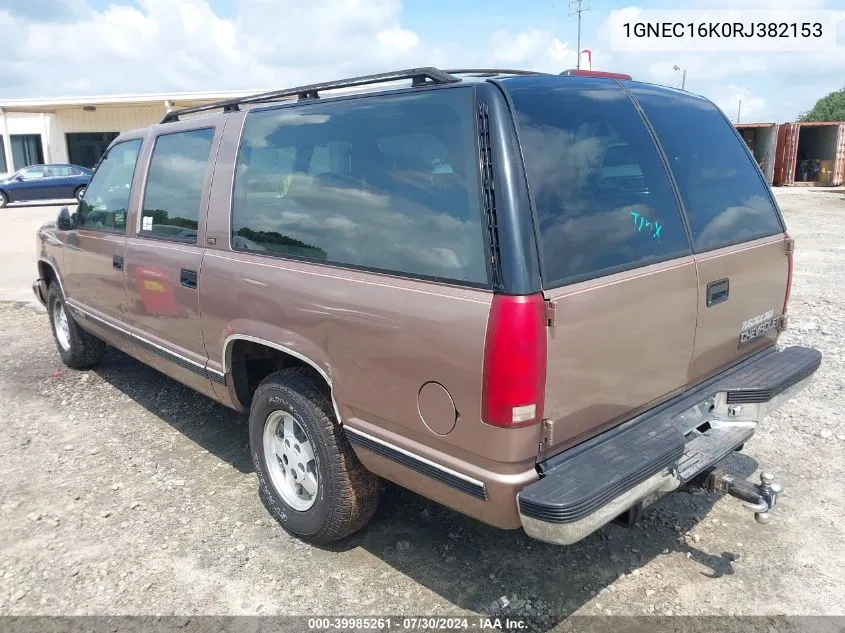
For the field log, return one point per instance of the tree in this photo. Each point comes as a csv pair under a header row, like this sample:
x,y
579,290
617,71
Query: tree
x,y
828,108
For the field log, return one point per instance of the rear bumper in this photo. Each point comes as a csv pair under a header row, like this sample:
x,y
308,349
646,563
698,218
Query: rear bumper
x,y
590,484
39,287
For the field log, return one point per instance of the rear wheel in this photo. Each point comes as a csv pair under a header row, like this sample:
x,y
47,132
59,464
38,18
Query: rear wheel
x,y
77,348
309,478
80,191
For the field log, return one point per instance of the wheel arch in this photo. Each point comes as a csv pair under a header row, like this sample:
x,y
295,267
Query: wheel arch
x,y
48,272
235,375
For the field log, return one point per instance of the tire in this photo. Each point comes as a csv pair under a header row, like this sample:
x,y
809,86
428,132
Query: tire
x,y
78,193
3,200
77,348
345,495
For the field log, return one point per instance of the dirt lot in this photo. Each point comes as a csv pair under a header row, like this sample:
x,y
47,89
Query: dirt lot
x,y
124,492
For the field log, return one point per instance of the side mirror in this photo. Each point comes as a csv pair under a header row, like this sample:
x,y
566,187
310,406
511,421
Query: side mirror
x,y
64,222
18,178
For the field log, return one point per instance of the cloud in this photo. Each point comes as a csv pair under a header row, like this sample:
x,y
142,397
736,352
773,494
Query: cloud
x,y
535,49
158,45
728,98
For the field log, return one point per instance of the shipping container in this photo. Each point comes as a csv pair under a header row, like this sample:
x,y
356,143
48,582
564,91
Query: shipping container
x,y
761,139
810,154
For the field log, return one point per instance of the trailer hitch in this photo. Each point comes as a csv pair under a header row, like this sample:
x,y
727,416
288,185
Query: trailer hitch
x,y
759,498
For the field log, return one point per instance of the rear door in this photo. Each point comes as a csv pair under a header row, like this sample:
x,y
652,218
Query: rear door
x,y
737,233
164,255
615,257
58,183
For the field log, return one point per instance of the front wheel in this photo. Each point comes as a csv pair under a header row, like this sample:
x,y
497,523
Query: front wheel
x,y
309,478
3,200
77,348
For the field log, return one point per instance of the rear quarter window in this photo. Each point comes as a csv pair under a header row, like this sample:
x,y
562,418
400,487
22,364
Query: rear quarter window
x,y
387,183
725,197
600,190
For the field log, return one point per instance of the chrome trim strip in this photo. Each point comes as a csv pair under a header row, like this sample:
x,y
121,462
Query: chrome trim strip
x,y
393,447
175,357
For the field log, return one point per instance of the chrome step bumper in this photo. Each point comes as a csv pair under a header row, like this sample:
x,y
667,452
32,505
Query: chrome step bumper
x,y
589,485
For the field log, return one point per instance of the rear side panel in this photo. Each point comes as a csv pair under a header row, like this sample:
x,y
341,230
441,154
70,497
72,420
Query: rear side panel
x,y
403,356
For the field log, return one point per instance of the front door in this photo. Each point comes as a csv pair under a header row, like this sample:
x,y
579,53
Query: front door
x,y
94,258
32,184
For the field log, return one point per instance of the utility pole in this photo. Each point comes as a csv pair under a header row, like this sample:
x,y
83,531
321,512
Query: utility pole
x,y
578,7
683,76
738,110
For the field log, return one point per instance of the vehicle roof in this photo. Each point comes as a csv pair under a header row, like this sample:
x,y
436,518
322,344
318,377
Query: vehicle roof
x,y
382,84
56,165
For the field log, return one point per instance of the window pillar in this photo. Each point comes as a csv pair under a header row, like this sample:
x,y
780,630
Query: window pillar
x,y
7,142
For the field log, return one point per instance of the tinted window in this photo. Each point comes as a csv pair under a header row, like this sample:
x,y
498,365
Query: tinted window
x,y
600,190
726,199
106,198
388,183
173,194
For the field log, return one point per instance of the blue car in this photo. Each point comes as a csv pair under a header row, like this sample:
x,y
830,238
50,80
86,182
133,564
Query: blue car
x,y
45,182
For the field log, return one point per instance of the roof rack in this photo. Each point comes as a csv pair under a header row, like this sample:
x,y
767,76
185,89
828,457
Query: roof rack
x,y
489,72
418,77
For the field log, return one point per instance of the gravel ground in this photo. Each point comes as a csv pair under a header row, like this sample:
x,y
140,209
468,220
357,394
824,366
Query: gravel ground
x,y
125,493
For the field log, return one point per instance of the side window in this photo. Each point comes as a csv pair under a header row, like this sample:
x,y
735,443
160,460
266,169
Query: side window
x,y
33,173
106,199
600,190
726,199
173,194
387,183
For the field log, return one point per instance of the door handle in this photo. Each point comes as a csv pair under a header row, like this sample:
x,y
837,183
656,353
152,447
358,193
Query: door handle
x,y
717,291
117,262
188,278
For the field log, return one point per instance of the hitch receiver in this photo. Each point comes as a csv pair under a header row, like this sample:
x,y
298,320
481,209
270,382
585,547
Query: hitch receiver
x,y
759,498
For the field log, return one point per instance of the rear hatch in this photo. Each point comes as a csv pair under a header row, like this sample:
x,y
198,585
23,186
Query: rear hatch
x,y
625,274
741,250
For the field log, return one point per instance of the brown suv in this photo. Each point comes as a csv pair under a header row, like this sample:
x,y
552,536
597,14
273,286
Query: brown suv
x,y
541,300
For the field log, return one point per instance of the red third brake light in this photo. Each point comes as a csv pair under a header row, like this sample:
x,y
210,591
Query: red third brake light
x,y
514,384
594,73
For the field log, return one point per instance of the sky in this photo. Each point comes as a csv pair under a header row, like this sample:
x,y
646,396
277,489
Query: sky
x,y
52,48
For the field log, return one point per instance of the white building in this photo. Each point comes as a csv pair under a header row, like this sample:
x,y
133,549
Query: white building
x,y
78,130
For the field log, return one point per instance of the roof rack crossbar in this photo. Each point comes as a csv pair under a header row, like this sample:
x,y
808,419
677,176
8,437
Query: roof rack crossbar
x,y
418,76
492,71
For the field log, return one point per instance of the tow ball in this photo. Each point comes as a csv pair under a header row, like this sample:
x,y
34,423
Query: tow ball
x,y
759,498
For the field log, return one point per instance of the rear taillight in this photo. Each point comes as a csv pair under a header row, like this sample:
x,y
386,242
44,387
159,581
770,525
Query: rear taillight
x,y
514,384
790,248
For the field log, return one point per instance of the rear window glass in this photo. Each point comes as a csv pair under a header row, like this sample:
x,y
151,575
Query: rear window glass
x,y
388,184
726,199
600,190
